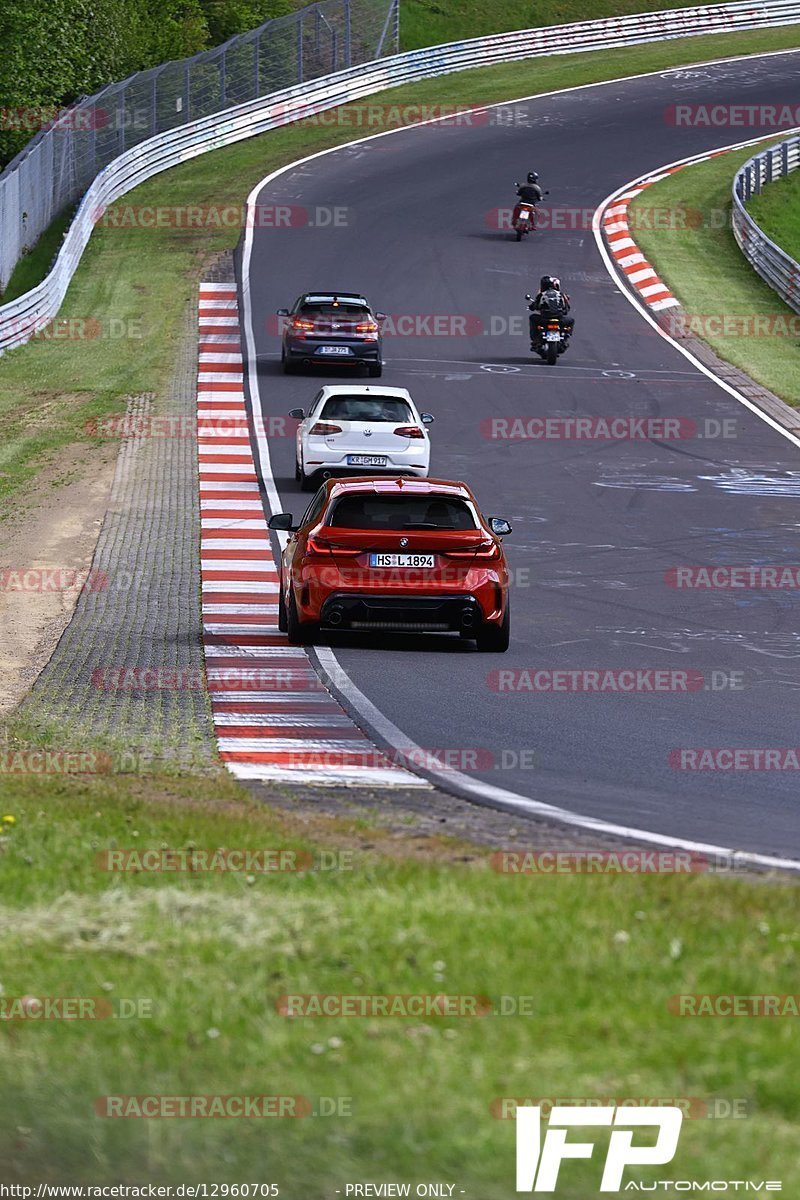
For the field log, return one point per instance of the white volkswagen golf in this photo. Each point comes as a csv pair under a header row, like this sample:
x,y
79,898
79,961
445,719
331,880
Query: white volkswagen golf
x,y
355,428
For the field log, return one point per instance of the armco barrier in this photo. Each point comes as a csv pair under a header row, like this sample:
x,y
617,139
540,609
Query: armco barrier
x,y
20,319
774,265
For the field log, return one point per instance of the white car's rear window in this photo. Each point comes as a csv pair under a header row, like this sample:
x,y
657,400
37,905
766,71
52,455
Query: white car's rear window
x,y
367,408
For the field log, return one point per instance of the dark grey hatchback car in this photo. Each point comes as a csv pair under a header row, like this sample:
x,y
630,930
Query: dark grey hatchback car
x,y
327,328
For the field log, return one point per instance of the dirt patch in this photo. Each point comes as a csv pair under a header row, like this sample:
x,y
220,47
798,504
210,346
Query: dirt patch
x,y
46,549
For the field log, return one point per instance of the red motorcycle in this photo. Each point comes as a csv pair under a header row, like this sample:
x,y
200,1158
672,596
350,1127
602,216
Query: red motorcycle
x,y
523,220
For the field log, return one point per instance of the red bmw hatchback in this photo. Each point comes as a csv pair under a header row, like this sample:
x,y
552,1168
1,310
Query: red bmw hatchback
x,y
394,554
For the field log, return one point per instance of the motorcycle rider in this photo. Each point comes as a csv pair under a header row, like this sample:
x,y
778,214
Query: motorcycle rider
x,y
548,302
528,192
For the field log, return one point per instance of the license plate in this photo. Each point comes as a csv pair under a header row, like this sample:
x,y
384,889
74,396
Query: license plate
x,y
366,460
552,336
334,350
402,560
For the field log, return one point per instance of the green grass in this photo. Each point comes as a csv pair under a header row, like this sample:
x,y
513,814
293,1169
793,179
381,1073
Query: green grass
x,y
33,266
429,22
708,274
138,281
777,211
212,953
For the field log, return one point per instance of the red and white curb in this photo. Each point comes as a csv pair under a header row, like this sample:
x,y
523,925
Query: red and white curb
x,y
273,718
627,256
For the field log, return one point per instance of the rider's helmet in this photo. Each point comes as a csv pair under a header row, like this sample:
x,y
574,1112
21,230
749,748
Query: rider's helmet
x,y
532,177
547,282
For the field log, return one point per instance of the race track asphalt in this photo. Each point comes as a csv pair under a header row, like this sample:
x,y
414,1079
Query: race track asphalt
x,y
597,524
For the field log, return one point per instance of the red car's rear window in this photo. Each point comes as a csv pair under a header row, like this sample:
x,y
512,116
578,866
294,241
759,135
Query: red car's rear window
x,y
366,511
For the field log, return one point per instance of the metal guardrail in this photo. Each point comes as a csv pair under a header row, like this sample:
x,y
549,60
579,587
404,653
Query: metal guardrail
x,y
20,319
773,264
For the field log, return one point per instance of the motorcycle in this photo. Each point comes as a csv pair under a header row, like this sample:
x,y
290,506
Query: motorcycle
x,y
523,219
552,339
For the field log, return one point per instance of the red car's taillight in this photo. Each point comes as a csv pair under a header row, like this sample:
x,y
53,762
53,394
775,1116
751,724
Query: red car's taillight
x,y
324,428
409,431
324,548
482,550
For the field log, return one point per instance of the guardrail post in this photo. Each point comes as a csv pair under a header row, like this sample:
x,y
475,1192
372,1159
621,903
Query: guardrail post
x,y
784,158
768,165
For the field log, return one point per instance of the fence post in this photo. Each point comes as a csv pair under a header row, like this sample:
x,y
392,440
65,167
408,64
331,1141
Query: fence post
x,y
300,47
256,57
121,119
154,102
348,36
223,83
187,94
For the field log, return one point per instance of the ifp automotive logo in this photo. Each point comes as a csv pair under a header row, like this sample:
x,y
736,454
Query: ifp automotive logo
x,y
538,1163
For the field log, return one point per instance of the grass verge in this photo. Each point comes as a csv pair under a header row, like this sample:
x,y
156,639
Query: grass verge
x,y
430,22
121,321
777,211
709,275
210,954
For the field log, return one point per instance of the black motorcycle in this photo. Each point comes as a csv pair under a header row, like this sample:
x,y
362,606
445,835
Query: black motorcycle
x,y
551,339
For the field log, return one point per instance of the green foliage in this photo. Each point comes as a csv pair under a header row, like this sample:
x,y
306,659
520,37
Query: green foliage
x,y
228,17
55,52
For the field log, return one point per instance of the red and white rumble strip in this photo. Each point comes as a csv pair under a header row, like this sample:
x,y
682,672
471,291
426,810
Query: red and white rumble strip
x,y
626,254
273,718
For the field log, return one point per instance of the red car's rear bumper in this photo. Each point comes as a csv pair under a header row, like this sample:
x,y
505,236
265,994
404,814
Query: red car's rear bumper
x,y
360,598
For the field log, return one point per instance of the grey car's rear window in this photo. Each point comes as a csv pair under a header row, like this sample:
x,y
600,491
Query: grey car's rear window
x,y
367,408
367,511
348,312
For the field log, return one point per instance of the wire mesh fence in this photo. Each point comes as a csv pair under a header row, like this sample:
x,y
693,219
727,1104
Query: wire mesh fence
x,y
57,166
